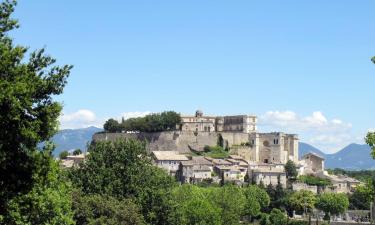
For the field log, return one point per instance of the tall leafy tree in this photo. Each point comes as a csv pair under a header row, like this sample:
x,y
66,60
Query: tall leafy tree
x,y
291,170
301,201
370,140
256,199
231,200
362,197
277,217
102,209
28,113
332,203
123,169
192,206
48,202
370,137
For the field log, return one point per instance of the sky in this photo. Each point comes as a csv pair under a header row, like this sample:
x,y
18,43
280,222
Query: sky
x,y
301,66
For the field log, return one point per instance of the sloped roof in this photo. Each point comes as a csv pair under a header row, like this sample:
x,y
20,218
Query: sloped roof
x,y
313,154
169,155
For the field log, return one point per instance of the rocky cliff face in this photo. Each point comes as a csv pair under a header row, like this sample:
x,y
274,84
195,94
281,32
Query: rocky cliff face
x,y
181,141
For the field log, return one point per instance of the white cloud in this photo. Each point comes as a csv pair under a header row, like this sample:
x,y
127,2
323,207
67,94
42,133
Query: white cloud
x,y
315,129
85,118
79,119
127,115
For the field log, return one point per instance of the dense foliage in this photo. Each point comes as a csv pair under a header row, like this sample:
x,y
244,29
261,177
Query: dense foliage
x,y
28,114
332,203
48,202
29,182
370,140
123,169
291,170
150,123
63,154
313,180
362,197
302,201
101,209
216,152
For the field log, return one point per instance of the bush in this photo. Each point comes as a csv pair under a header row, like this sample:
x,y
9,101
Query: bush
x,y
77,151
277,217
312,180
297,222
63,154
216,152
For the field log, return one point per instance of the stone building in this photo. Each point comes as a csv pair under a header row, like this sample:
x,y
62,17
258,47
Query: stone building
x,y
201,123
168,160
269,148
312,163
268,175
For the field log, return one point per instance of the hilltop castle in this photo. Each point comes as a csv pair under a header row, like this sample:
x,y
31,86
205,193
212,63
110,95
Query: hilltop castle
x,y
273,147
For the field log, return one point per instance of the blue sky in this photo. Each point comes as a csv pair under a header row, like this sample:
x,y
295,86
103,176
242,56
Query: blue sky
x,y
301,66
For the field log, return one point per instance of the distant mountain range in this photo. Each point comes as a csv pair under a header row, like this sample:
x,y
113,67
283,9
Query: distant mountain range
x,y
71,139
352,157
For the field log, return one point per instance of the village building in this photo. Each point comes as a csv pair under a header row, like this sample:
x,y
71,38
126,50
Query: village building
x,y
73,160
270,175
168,160
194,170
231,173
312,163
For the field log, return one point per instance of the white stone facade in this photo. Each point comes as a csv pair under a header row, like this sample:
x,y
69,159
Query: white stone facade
x,y
201,123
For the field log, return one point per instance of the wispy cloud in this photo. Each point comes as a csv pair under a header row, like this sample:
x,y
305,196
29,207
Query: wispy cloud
x,y
85,118
328,134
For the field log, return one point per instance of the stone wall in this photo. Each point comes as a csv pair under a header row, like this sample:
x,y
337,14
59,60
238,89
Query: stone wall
x,y
180,141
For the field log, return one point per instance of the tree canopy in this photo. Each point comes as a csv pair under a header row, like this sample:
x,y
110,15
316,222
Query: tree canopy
x,y
155,122
28,113
370,140
332,203
123,169
302,200
291,170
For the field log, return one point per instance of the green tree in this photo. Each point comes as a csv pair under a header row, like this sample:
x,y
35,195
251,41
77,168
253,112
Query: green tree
x,y
302,200
102,209
48,202
63,154
191,205
370,140
112,125
332,203
28,114
277,217
291,170
256,199
373,59
202,212
362,197
123,169
231,200
77,151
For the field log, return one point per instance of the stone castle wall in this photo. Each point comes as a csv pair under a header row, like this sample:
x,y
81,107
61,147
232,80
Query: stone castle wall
x,y
181,141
